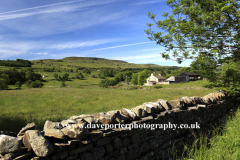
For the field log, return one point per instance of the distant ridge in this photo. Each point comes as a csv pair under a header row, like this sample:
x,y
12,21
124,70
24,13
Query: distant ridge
x,y
90,62
90,59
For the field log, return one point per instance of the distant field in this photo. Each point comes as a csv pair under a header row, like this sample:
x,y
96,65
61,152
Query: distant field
x,y
73,62
19,107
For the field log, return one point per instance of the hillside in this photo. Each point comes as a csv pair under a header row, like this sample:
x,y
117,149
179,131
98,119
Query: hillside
x,y
89,62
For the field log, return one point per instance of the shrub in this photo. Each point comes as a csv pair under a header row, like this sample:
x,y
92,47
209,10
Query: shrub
x,y
18,84
65,77
55,76
119,84
36,84
63,84
104,83
3,84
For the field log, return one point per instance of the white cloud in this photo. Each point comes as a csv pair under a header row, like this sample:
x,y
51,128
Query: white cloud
x,y
60,19
52,8
26,9
126,45
72,45
148,2
40,53
13,48
10,48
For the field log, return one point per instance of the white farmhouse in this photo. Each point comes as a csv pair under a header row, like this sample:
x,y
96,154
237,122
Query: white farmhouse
x,y
155,79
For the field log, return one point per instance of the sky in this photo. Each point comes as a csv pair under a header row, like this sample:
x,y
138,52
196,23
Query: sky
x,y
54,29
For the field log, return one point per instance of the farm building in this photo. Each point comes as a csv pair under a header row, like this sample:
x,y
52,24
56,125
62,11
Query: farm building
x,y
177,79
191,76
155,79
183,77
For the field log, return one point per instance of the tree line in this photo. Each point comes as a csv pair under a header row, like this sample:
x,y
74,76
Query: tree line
x,y
15,63
14,77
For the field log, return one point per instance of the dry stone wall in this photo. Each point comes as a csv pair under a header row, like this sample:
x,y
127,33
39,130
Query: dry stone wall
x,y
66,140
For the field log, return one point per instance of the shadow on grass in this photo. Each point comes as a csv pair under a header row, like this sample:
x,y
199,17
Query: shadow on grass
x,y
16,123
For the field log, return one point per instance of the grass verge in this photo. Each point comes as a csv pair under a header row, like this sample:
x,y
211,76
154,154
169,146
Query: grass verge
x,y
223,144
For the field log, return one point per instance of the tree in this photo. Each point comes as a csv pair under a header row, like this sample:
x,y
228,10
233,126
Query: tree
x,y
36,84
65,77
4,80
207,29
81,75
55,76
134,79
3,84
142,76
199,27
204,66
104,83
183,69
230,75
87,71
118,77
18,84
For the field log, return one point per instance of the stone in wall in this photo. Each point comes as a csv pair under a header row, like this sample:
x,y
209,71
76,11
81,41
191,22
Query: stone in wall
x,y
187,101
164,105
65,123
76,131
95,135
220,95
86,156
39,144
177,103
139,111
129,114
117,143
84,118
98,152
51,131
29,126
9,144
117,117
103,118
151,107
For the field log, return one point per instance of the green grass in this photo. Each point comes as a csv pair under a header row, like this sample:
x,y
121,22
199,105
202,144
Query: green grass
x,y
225,146
194,84
55,103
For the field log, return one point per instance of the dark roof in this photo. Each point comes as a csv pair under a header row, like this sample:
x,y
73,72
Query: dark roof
x,y
159,77
180,76
189,74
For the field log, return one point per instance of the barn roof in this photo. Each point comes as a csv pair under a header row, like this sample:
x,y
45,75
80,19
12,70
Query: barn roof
x,y
189,74
159,77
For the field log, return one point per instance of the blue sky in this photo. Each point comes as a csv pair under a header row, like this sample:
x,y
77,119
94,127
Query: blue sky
x,y
54,29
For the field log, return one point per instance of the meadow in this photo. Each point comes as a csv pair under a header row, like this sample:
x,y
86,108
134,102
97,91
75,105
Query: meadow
x,y
55,103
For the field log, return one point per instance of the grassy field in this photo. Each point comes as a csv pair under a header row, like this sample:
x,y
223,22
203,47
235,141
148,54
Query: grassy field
x,y
19,107
225,146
